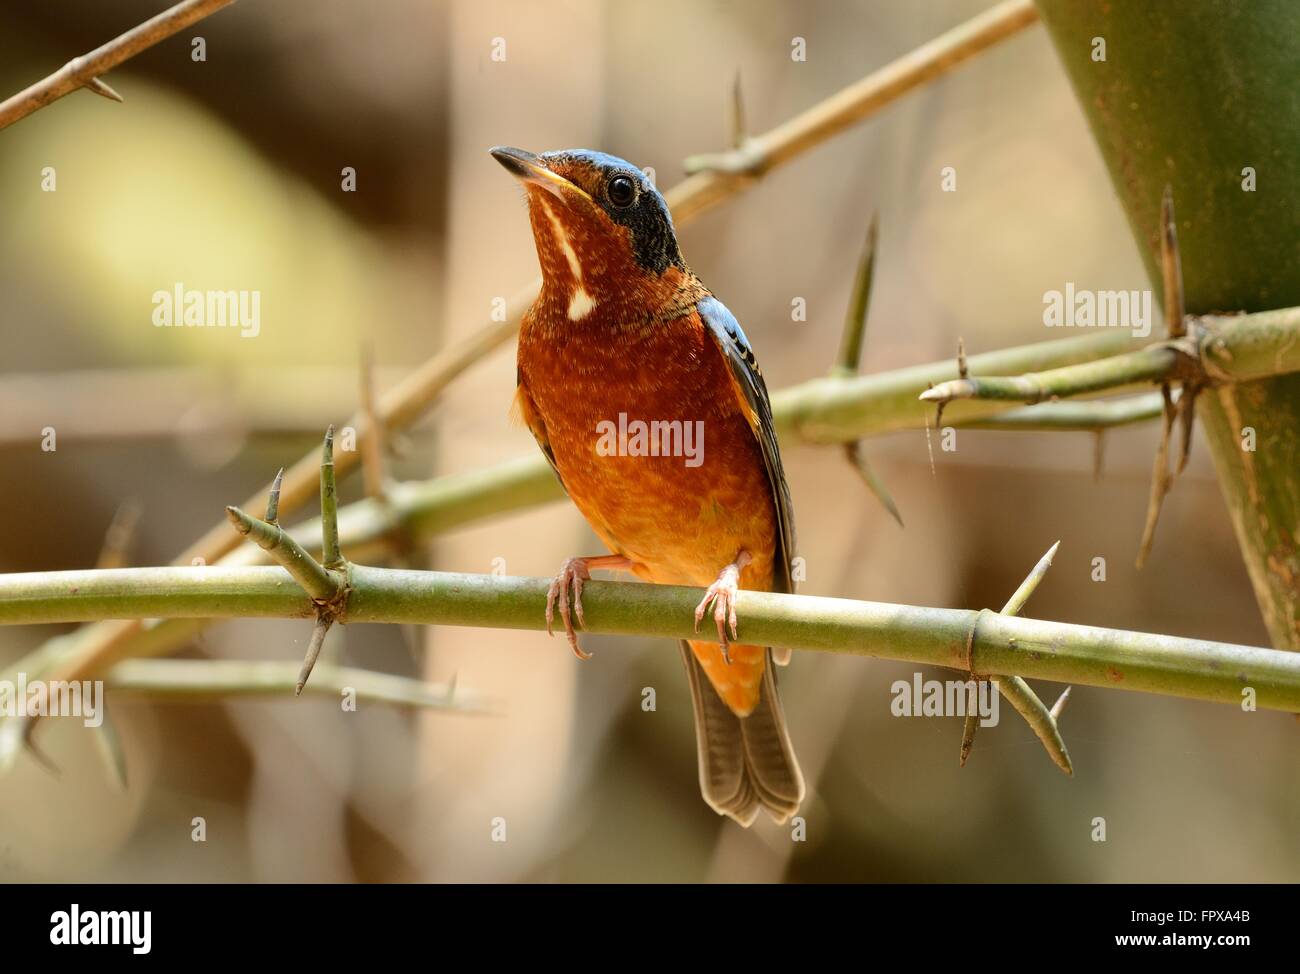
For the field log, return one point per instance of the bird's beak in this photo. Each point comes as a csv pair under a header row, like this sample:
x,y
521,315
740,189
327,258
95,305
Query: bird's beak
x,y
529,168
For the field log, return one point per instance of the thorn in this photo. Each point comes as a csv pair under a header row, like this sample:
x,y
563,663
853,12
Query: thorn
x,y
120,535
968,735
1058,708
1186,420
273,500
1027,587
1160,479
1171,268
1098,454
331,556
962,371
243,524
100,88
857,457
313,651
37,753
855,318
929,443
736,122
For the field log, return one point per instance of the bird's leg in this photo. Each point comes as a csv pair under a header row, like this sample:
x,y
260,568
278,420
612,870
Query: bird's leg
x,y
574,572
722,593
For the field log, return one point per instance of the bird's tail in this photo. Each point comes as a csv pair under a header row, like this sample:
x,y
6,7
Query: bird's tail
x,y
746,763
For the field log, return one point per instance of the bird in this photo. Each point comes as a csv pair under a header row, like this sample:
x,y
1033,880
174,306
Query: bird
x,y
644,394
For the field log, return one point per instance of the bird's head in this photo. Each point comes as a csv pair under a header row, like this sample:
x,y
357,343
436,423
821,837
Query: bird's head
x,y
603,233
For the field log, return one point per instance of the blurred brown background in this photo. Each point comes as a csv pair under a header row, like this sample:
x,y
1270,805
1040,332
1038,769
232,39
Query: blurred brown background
x,y
225,174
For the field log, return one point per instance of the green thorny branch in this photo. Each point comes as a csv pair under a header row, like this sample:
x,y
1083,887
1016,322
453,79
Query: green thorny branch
x,y
986,644
841,407
1195,355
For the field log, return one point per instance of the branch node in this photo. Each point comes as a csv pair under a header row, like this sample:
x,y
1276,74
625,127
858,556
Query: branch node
x,y
316,581
1016,691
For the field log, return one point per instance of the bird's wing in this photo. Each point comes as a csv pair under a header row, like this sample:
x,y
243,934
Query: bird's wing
x,y
524,409
752,390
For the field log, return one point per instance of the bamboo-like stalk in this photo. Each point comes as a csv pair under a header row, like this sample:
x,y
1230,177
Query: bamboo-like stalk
x,y
987,642
1104,375
1221,348
83,72
1077,416
1234,169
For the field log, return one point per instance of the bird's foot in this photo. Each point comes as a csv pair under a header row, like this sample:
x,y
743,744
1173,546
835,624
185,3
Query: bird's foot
x,y
573,573
722,593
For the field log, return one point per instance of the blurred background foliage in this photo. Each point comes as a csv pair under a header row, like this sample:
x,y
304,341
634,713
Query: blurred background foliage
x,y
225,174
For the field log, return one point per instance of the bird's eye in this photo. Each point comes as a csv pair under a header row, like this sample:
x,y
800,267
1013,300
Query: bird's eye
x,y
621,191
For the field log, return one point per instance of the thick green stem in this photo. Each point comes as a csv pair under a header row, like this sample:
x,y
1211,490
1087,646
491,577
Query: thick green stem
x,y
1221,349
1082,415
1202,97
1120,372
999,645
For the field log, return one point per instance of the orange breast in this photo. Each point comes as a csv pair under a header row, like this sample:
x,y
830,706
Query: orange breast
x,y
681,517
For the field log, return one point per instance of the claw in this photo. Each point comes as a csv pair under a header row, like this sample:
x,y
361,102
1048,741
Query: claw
x,y
573,572
722,593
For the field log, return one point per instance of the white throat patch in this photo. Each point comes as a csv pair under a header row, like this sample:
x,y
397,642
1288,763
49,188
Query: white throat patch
x,y
562,238
580,302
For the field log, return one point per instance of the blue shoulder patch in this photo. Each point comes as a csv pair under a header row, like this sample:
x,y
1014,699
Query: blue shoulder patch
x,y
718,316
